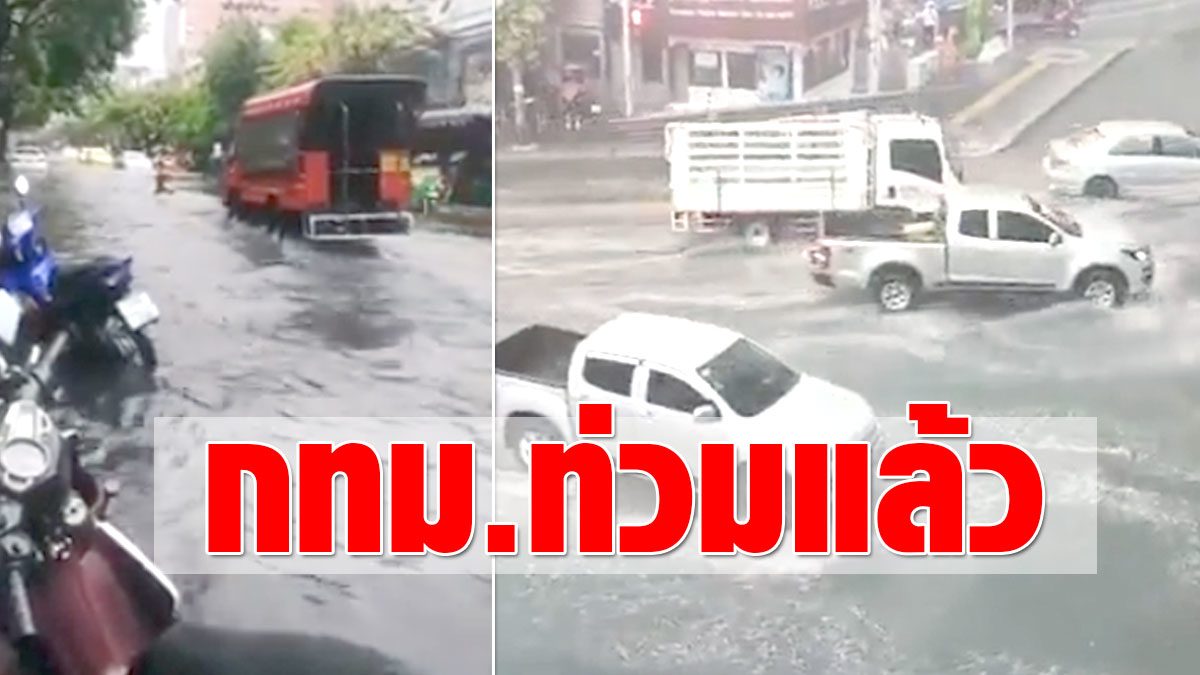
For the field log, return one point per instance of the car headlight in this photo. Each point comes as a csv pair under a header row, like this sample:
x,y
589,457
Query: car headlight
x,y
24,460
1139,254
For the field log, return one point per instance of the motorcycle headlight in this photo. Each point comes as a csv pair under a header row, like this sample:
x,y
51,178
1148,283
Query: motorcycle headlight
x,y
24,460
29,447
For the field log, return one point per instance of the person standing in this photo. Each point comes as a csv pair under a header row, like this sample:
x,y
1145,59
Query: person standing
x,y
929,24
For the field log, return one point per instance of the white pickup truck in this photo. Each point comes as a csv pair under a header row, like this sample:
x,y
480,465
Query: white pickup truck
x,y
986,239
806,174
671,381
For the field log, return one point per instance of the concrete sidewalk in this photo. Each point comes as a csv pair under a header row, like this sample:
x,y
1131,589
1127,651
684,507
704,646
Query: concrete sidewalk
x,y
983,116
1001,117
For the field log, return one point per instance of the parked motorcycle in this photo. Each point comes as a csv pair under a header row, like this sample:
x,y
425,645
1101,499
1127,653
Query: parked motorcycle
x,y
78,597
579,111
92,300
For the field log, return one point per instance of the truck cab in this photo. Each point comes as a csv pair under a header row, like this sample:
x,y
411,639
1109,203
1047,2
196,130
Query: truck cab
x,y
911,162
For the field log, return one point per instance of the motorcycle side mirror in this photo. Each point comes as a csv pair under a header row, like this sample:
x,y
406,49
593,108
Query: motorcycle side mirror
x,y
21,185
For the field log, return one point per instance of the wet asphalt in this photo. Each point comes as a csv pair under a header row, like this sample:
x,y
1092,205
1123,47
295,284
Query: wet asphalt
x,y
1137,370
250,328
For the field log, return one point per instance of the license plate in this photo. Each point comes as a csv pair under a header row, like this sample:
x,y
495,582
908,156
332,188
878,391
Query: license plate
x,y
137,310
392,162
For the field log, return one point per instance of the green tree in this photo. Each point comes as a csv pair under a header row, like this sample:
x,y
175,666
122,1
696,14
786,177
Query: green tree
x,y
52,52
518,43
300,51
364,40
356,41
232,65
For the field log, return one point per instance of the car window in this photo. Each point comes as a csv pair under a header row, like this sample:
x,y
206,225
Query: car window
x,y
671,392
1180,146
1013,226
1134,145
920,157
973,224
611,376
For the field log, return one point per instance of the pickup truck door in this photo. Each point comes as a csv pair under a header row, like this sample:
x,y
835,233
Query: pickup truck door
x,y
670,403
608,378
970,249
1029,251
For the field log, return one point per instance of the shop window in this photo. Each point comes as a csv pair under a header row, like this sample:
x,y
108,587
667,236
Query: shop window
x,y
743,70
706,69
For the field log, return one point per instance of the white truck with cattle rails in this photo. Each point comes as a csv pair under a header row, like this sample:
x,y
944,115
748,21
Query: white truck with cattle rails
x,y
808,174
986,239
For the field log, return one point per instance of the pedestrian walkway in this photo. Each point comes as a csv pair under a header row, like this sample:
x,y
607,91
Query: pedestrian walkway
x,y
1051,75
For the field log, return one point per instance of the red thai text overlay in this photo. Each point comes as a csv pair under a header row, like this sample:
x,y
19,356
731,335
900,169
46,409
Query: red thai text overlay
x,y
832,506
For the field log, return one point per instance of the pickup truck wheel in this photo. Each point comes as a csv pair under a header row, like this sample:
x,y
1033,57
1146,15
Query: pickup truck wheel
x,y
1103,288
523,432
896,291
757,234
1102,187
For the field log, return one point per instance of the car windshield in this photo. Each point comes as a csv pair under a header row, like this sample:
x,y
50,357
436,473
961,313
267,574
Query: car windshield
x,y
1060,218
748,378
1081,138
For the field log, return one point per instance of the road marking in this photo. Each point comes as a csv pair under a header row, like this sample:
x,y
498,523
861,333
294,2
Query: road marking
x,y
1000,92
1130,10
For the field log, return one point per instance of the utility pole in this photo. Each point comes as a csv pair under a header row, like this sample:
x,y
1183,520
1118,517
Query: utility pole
x,y
627,57
1008,34
875,34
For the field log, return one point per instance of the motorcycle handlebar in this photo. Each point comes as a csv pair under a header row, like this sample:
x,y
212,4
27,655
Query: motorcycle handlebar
x,y
20,611
42,372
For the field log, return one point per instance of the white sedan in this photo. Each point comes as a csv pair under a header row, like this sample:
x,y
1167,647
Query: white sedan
x,y
1119,158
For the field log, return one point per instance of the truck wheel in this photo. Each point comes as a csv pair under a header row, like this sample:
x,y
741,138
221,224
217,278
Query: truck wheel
x,y
1105,289
1102,187
523,432
757,234
896,291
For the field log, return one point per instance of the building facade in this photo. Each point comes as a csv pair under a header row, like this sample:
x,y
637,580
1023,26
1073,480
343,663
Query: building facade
x,y
202,18
156,53
709,53
742,52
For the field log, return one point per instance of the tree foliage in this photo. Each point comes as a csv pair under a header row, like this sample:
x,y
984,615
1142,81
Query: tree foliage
x,y
356,41
519,31
57,51
232,65
299,52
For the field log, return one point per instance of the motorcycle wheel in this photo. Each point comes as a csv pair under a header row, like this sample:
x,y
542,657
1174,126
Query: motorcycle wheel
x,y
134,347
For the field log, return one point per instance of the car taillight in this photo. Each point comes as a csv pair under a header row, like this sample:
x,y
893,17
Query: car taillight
x,y
819,256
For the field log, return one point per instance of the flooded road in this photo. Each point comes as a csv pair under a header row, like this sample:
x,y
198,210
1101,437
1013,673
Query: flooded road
x,y
1137,370
248,328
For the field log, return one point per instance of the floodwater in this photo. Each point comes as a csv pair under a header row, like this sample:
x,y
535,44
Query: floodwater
x,y
393,329
1137,370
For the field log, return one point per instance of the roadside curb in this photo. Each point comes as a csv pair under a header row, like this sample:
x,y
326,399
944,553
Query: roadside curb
x,y
1017,132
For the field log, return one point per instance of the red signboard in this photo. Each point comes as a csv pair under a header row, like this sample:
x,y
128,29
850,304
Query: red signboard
x,y
776,21
743,20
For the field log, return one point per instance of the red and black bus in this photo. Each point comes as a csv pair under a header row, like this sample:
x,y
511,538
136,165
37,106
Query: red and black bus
x,y
331,156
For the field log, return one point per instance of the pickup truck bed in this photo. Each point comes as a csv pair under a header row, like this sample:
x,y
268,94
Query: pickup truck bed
x,y
538,353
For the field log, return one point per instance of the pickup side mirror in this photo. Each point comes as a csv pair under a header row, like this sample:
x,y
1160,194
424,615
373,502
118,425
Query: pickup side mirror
x,y
1055,239
706,413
